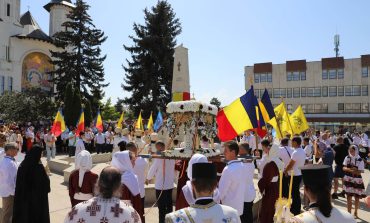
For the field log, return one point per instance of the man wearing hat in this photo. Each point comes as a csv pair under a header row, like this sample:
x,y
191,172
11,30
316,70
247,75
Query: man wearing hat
x,y
138,140
317,187
150,148
205,209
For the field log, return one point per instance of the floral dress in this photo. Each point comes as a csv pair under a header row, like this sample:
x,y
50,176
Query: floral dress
x,y
353,183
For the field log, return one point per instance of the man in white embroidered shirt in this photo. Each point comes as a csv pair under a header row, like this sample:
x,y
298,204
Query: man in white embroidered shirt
x,y
164,172
8,176
233,179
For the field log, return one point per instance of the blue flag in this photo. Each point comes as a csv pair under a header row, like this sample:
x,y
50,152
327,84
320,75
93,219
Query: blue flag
x,y
158,122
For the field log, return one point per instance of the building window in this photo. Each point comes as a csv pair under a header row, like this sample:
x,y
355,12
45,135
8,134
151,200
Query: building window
x,y
332,74
310,108
332,91
340,73
317,92
324,91
296,92
303,92
365,90
7,53
365,108
256,78
10,83
352,108
303,75
295,76
288,92
304,108
2,84
8,9
324,74
269,77
289,76
262,77
356,90
279,92
348,90
365,71
256,92
340,91
341,107
310,91
321,108
289,108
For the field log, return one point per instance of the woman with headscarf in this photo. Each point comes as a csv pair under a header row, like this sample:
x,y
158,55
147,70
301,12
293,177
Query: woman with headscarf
x,y
31,192
125,161
30,137
186,196
353,166
268,184
82,181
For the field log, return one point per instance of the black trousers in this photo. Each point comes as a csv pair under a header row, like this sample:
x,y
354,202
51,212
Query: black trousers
x,y
286,182
100,148
71,150
108,148
296,197
164,203
247,216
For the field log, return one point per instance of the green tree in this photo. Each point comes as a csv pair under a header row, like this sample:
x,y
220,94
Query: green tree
x,y
88,113
68,105
119,106
108,111
148,75
215,102
81,63
77,106
31,105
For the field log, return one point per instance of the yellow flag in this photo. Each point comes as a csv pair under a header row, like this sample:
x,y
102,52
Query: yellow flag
x,y
119,123
282,118
298,121
150,122
139,123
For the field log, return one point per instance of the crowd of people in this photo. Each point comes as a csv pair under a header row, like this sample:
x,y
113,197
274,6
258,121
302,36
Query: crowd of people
x,y
218,190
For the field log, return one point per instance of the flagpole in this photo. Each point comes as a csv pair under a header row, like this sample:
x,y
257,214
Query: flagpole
x,y
255,132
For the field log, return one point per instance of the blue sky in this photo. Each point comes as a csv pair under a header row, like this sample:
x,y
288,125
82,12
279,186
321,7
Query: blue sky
x,y
224,36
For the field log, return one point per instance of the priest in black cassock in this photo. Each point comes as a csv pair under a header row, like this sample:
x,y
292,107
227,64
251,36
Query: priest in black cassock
x,y
31,192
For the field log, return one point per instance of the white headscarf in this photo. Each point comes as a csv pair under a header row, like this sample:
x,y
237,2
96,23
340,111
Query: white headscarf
x,y
187,189
273,155
356,156
83,164
121,160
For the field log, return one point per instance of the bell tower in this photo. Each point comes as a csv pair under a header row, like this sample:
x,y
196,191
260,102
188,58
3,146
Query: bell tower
x,y
58,10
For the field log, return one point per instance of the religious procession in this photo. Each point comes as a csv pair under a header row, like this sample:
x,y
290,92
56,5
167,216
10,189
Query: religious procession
x,y
281,140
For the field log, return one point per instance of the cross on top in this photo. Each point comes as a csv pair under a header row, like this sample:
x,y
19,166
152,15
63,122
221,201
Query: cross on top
x,y
179,66
93,208
104,220
116,210
72,213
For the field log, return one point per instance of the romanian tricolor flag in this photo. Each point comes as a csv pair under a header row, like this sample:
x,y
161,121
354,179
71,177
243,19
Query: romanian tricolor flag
x,y
238,117
81,123
120,121
99,122
268,113
59,125
180,96
139,123
149,126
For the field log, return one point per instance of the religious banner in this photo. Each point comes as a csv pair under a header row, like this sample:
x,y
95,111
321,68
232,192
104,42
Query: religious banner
x,y
35,70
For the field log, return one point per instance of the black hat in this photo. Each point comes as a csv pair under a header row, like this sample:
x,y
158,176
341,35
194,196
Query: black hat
x,y
316,175
204,170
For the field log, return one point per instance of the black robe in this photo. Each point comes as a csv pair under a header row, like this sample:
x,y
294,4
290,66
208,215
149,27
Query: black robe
x,y
31,193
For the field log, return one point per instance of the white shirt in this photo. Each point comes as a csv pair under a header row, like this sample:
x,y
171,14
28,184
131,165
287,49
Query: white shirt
x,y
356,140
79,146
232,185
163,181
13,137
48,138
285,154
8,176
308,150
299,156
251,140
72,139
64,135
140,168
250,191
89,136
100,138
109,137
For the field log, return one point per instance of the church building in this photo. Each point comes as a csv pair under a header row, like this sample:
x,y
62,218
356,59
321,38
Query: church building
x,y
25,48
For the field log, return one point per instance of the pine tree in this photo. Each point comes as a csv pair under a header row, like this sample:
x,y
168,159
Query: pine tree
x,y
77,105
148,75
68,105
81,63
88,113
